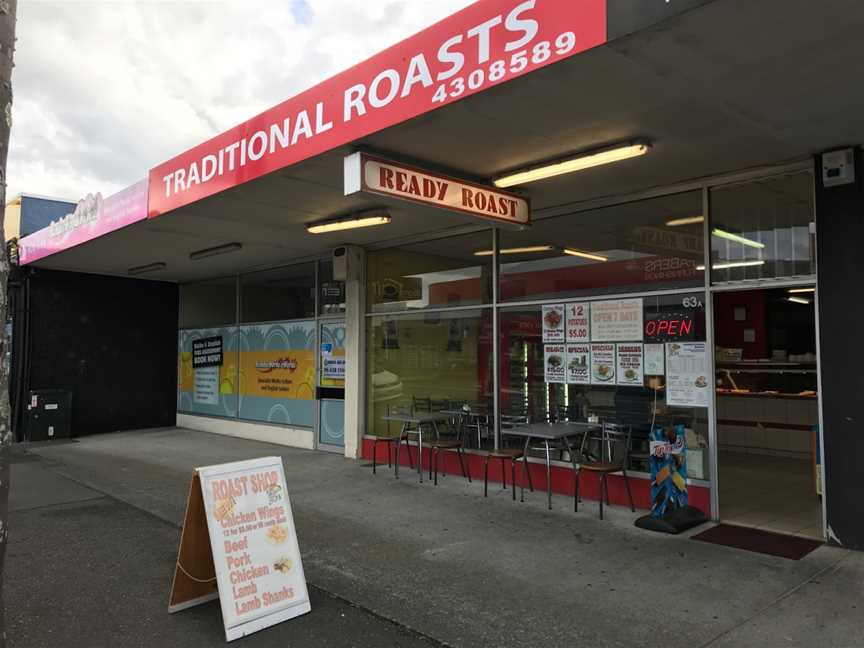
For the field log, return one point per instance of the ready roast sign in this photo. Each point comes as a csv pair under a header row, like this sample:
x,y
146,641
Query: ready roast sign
x,y
377,176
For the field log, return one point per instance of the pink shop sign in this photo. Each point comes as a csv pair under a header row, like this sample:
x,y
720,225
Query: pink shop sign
x,y
93,217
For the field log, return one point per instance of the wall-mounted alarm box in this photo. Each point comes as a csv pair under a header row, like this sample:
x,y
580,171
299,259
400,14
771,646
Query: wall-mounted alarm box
x,y
838,168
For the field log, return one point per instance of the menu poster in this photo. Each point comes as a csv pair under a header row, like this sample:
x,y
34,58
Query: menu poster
x,y
617,320
252,546
655,364
555,363
602,364
579,364
578,322
553,323
687,380
630,370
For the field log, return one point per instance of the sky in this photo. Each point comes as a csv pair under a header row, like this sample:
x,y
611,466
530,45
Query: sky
x,y
106,89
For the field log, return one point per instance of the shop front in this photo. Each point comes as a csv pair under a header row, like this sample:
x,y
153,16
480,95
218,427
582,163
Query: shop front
x,y
278,371
661,276
610,314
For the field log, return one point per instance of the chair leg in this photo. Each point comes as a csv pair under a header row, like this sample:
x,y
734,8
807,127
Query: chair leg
x,y
575,491
389,454
607,494
374,453
486,477
504,472
602,485
528,473
629,493
433,459
513,477
398,449
465,472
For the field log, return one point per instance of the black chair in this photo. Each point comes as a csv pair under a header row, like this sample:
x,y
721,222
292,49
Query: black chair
x,y
605,451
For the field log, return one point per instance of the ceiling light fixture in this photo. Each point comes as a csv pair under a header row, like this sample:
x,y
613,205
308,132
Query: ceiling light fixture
x,y
798,300
570,165
688,220
150,267
729,236
215,251
585,255
802,290
518,250
365,219
732,264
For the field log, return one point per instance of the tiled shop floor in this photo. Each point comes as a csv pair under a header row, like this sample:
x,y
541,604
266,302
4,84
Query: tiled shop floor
x,y
770,493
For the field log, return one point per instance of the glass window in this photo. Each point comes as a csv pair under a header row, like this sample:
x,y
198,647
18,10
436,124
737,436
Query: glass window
x,y
277,373
527,388
332,350
208,303
762,229
331,294
455,271
211,391
281,294
652,244
429,361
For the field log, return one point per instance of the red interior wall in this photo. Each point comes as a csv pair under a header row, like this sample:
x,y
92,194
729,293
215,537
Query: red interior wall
x,y
730,333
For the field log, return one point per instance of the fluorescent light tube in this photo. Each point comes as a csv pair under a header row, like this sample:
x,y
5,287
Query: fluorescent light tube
x,y
214,251
150,267
729,236
732,264
585,255
802,290
798,300
353,222
689,220
516,250
578,163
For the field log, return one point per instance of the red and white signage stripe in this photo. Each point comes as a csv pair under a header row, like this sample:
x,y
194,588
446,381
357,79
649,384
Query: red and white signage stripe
x,y
487,43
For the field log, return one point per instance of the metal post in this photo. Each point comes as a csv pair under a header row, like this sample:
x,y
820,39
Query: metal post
x,y
496,417
713,448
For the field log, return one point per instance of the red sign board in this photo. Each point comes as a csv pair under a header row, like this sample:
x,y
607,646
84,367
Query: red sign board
x,y
374,175
485,44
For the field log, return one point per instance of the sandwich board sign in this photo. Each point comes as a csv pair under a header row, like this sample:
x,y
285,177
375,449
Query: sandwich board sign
x,y
239,544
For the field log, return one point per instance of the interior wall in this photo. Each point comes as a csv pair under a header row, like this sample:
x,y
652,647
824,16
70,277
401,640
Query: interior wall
x,y
840,226
111,341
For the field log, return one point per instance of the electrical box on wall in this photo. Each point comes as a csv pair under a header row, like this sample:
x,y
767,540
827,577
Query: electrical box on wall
x,y
340,264
347,263
838,168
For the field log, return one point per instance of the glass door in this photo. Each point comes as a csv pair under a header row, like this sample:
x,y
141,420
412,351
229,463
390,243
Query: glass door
x,y
331,385
767,410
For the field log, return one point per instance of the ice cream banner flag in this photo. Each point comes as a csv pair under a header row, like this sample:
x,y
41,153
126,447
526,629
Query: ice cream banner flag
x,y
668,470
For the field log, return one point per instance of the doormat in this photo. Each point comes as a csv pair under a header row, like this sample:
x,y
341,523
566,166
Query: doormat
x,y
756,540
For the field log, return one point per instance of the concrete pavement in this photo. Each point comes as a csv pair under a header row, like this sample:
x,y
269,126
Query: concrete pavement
x,y
424,564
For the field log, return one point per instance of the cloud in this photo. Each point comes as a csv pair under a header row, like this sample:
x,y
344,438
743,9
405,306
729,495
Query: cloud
x,y
105,90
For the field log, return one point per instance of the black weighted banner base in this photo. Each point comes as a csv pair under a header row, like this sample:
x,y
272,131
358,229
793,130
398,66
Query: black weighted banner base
x,y
674,522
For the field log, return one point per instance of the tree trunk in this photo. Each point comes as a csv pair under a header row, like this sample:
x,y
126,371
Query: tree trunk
x,y
8,12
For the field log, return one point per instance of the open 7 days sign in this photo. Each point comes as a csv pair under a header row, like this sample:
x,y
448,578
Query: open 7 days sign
x,y
370,174
239,544
488,43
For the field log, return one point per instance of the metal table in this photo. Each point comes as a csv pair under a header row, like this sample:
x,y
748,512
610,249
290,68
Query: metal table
x,y
418,420
548,433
